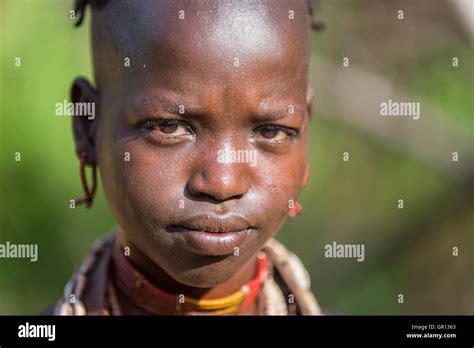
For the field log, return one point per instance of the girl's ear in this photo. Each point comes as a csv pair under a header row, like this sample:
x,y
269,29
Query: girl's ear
x,y
309,101
85,101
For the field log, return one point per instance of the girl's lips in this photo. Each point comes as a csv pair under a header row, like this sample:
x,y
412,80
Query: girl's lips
x,y
213,235
214,243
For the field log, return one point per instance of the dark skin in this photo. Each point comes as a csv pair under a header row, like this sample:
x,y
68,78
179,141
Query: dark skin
x,y
173,170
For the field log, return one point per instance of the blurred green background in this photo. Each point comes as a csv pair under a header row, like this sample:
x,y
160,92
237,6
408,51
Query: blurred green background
x,y
407,251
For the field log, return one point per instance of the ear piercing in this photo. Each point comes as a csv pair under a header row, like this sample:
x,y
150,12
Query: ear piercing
x,y
88,193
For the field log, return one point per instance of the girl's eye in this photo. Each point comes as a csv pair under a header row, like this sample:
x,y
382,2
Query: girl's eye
x,y
172,128
276,134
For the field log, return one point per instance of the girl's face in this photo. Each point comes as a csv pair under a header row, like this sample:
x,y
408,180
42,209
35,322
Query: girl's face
x,y
206,130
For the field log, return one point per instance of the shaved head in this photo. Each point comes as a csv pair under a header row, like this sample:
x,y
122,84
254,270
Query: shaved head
x,y
224,32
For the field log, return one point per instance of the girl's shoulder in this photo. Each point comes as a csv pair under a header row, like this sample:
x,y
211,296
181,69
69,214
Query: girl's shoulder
x,y
286,289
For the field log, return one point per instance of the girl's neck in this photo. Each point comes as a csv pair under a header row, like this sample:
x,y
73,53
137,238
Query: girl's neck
x,y
159,278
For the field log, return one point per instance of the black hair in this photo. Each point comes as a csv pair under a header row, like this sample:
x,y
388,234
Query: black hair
x,y
81,5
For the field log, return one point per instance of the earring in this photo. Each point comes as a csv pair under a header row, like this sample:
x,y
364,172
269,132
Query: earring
x,y
297,207
295,210
88,194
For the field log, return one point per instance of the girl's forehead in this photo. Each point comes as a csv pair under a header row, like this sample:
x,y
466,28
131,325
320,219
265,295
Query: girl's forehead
x,y
258,50
223,29
204,76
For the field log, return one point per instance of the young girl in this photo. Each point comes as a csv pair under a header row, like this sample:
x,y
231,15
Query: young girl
x,y
201,136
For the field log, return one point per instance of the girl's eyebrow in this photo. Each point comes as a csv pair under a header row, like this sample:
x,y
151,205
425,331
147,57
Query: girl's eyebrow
x,y
147,106
160,103
278,110
274,115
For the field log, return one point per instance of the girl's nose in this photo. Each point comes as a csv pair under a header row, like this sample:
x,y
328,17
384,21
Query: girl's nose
x,y
222,173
